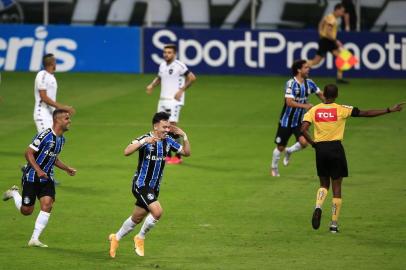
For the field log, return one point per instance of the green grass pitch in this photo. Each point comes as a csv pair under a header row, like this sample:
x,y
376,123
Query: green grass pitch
x,y
221,208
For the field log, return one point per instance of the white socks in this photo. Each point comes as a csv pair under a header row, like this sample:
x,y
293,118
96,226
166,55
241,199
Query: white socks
x,y
40,224
17,199
275,158
127,227
149,223
294,148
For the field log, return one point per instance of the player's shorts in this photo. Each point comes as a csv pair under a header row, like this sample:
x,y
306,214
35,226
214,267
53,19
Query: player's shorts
x,y
144,195
283,134
331,160
172,107
37,189
43,119
326,45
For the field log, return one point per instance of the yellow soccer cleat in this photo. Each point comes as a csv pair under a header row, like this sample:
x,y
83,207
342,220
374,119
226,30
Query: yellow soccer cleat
x,y
113,245
139,246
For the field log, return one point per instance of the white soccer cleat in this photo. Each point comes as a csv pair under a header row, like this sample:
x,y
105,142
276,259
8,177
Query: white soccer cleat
x,y
36,243
275,172
286,158
9,193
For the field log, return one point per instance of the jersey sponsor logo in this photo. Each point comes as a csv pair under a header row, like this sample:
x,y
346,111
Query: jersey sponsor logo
x,y
50,153
154,157
326,115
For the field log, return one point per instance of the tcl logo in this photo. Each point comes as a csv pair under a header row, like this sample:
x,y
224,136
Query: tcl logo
x,y
326,115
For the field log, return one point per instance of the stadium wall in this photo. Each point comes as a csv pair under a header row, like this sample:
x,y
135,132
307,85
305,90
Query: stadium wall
x,y
273,52
136,50
76,48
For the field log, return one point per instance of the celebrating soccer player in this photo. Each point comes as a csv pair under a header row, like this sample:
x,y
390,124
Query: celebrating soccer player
x,y
153,148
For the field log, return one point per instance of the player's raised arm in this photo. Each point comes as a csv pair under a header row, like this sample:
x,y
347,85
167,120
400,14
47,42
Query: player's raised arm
x,y
137,144
186,144
373,113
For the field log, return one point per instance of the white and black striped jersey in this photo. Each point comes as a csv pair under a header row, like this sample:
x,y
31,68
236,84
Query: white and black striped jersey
x,y
151,161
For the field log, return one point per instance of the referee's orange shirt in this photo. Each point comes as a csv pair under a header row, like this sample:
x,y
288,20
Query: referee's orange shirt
x,y
329,121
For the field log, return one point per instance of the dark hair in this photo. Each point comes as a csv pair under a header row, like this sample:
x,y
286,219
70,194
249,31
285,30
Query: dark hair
x,y
330,91
158,117
58,112
338,6
46,60
298,64
170,46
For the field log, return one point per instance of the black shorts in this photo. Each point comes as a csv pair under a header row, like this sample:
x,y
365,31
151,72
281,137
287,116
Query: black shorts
x,y
37,189
144,195
326,45
283,134
330,160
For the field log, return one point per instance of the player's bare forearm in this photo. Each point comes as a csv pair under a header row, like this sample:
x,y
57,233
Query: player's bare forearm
x,y
186,147
320,95
71,171
292,103
305,132
50,102
131,148
374,113
190,78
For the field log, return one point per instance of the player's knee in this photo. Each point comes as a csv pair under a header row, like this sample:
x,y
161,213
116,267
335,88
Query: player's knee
x,y
281,148
26,210
157,214
46,207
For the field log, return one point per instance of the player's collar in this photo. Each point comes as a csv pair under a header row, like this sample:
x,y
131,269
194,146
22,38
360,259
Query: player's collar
x,y
53,131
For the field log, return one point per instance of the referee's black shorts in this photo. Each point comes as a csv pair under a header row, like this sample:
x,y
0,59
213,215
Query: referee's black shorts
x,y
326,45
331,160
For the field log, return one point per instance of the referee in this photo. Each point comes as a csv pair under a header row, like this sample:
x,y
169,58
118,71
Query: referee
x,y
329,124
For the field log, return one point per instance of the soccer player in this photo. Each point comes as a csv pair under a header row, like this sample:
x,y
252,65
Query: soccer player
x,y
153,147
175,78
328,41
45,90
37,180
329,122
297,92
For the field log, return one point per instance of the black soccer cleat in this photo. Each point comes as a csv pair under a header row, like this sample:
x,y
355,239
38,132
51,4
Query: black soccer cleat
x,y
316,218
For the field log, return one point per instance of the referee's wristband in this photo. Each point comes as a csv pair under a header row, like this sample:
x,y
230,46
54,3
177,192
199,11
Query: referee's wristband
x,y
185,137
388,110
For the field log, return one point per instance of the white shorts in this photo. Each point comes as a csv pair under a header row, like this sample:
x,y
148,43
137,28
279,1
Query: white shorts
x,y
171,107
42,119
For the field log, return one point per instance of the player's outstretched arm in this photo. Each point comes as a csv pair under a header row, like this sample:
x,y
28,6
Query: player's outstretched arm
x,y
29,156
69,170
305,131
50,102
135,145
373,113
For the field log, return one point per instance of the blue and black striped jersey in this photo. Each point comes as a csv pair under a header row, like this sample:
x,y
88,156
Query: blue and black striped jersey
x,y
151,161
292,117
47,146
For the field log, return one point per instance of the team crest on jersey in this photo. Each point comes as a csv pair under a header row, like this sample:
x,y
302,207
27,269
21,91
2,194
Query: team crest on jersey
x,y
170,71
150,196
51,144
26,200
